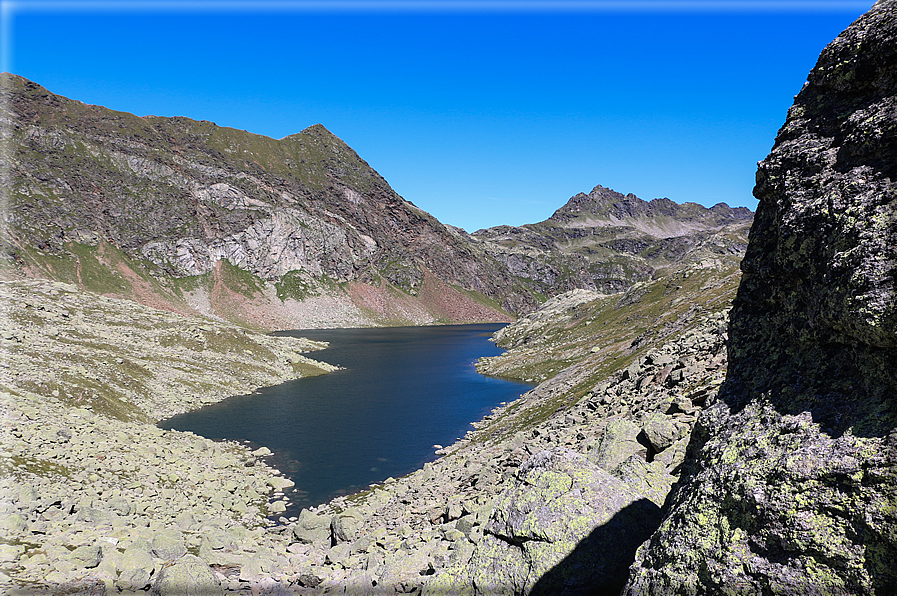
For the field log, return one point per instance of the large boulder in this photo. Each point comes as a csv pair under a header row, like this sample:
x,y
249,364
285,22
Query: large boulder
x,y
312,528
790,482
169,544
188,576
345,526
564,526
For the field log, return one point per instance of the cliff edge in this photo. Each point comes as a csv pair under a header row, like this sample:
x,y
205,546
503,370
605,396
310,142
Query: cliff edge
x,y
790,482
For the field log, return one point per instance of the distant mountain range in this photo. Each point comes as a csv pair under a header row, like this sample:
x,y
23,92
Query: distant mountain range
x,y
301,231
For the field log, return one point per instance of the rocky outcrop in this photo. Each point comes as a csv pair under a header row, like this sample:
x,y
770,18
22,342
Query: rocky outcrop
x,y
789,485
564,524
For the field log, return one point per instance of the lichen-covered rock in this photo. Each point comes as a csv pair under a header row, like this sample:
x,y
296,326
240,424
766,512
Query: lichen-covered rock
x,y
661,431
565,526
188,576
169,544
311,528
616,444
86,556
790,483
344,526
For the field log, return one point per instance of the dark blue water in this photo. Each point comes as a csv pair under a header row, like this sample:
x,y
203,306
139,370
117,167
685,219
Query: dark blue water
x,y
404,390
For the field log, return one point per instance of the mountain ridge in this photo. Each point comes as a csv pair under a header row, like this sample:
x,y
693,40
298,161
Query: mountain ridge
x,y
304,217
613,208
724,425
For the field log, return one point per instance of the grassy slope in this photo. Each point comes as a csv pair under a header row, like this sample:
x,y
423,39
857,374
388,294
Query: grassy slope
x,y
586,340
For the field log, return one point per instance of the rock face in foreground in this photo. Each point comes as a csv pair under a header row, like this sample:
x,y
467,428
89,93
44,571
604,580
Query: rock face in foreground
x,y
547,526
790,485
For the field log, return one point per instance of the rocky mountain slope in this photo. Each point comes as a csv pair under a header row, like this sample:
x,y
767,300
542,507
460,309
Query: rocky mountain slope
x,y
100,501
672,445
92,494
194,219
606,241
297,232
790,484
201,218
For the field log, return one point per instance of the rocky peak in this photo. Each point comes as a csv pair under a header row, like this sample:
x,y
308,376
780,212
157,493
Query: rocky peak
x,y
661,218
789,483
599,201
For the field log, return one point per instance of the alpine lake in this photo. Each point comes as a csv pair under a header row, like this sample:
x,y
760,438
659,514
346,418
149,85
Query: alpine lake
x,y
402,393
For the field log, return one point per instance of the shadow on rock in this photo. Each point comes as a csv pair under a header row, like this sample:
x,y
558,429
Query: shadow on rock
x,y
599,564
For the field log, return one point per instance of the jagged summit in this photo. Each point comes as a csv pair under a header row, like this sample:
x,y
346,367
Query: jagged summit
x,y
617,240
662,218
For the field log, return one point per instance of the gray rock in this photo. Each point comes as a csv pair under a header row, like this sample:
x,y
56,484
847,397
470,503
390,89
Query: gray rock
x,y
13,524
338,555
188,576
616,444
120,505
169,544
133,579
86,556
138,558
660,431
565,525
673,456
311,528
789,483
344,526
91,515
216,538
10,552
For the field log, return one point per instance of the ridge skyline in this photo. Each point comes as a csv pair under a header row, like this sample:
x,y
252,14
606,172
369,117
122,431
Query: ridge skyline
x,y
478,117
603,192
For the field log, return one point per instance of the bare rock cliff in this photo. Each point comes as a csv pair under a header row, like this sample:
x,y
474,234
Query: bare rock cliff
x,y
790,483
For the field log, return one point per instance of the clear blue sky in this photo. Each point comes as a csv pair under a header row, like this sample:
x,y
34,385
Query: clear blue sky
x,y
482,113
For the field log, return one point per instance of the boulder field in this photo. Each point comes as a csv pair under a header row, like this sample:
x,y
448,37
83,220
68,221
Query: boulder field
x,y
97,499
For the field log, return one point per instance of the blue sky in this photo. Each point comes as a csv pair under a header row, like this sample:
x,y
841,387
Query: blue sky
x,y
481,113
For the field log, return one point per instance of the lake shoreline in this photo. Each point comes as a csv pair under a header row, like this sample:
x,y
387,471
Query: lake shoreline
x,y
98,505
92,503
401,391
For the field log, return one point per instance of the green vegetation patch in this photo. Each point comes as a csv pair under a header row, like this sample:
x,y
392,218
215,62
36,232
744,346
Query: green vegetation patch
x,y
17,465
241,281
191,283
603,336
294,284
482,299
